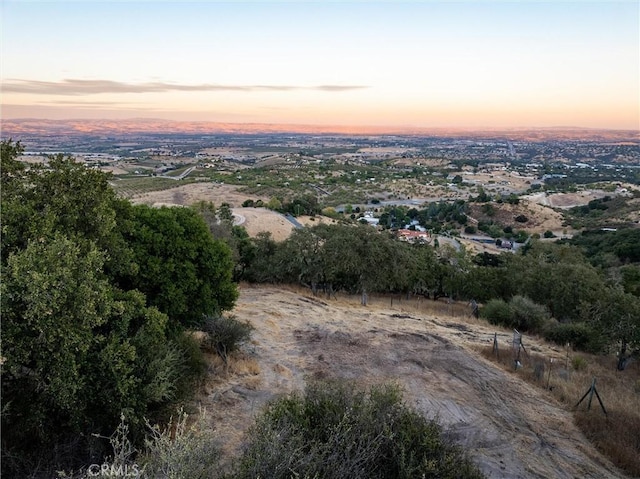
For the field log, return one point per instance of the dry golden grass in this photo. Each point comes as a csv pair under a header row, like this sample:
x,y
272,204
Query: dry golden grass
x,y
238,364
616,434
398,302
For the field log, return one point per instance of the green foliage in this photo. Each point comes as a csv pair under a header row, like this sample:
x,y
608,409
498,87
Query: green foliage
x,y
302,205
630,279
520,313
335,431
66,198
488,209
527,315
490,228
52,301
513,199
78,353
578,363
556,276
615,314
220,224
581,336
274,204
623,243
497,311
183,270
262,269
482,197
81,346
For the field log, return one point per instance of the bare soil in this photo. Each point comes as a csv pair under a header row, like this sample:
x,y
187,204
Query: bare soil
x,y
567,200
511,428
194,192
257,220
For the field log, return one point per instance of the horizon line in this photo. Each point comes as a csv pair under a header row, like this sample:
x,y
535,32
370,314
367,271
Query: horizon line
x,y
378,128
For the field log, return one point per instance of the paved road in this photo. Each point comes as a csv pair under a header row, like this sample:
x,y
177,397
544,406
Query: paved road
x,y
293,221
182,175
238,219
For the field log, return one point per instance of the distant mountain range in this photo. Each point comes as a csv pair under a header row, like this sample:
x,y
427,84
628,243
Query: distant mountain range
x,y
35,127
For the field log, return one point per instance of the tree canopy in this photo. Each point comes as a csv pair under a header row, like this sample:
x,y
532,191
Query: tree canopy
x,y
94,296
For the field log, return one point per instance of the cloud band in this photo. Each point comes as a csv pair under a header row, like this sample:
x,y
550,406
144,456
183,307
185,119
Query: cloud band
x,y
75,87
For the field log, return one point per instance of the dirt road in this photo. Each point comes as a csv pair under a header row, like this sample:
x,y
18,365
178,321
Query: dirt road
x,y
510,428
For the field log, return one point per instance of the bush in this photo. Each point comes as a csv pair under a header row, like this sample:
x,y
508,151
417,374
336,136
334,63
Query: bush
x,y
521,219
225,334
580,335
520,313
527,315
337,431
470,229
181,450
578,363
496,311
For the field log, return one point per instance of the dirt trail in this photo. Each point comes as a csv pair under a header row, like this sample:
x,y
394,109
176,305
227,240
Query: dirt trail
x,y
510,428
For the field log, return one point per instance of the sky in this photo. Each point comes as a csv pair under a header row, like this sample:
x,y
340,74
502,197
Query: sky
x,y
382,63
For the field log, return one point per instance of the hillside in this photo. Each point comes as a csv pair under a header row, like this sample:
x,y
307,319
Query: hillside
x,y
511,429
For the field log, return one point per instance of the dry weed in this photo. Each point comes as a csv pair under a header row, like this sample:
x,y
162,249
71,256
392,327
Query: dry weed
x,y
616,434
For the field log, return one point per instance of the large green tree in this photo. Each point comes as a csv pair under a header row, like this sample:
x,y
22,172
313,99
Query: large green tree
x,y
182,269
77,352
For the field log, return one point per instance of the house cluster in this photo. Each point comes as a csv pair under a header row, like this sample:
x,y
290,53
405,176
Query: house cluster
x,y
412,236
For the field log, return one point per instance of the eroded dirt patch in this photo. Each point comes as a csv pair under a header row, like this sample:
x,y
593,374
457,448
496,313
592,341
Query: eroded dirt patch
x,y
510,428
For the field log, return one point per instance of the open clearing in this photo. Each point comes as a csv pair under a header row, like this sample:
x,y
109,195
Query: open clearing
x,y
194,192
511,428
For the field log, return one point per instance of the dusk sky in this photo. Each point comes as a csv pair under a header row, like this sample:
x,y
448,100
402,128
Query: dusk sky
x,y
414,64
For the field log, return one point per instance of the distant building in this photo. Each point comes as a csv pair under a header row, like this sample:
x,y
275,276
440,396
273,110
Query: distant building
x,y
414,236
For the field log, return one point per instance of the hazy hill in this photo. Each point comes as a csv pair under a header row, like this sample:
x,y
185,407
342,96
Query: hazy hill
x,y
31,126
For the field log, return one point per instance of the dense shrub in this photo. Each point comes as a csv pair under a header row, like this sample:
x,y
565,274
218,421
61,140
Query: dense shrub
x,y
225,334
527,315
580,335
520,313
336,431
497,311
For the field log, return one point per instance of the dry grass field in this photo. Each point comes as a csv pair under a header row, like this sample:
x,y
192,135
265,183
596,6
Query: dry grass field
x,y
512,428
194,192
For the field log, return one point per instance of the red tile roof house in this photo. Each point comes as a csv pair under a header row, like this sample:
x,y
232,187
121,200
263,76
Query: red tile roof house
x,y
414,236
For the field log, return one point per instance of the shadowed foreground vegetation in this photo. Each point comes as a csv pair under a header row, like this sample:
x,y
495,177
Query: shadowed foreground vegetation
x,y
332,430
335,431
